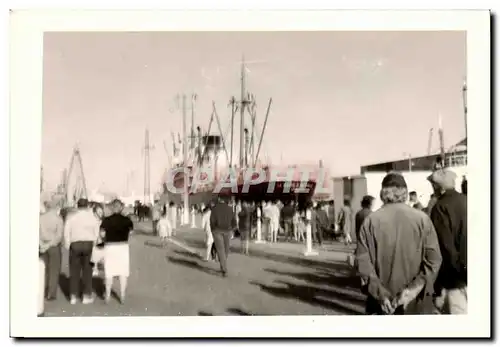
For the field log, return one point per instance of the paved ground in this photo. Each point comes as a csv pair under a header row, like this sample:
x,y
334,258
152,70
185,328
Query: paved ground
x,y
173,281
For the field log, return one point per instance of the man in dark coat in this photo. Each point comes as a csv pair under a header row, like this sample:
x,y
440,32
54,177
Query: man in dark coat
x,y
222,224
449,217
366,209
398,254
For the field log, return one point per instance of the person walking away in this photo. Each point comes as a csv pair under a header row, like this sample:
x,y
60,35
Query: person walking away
x,y
344,221
331,214
322,223
275,221
366,209
266,220
287,213
80,233
222,223
209,239
98,251
156,215
51,234
164,227
296,223
414,201
253,220
313,206
449,216
237,209
398,254
117,229
245,224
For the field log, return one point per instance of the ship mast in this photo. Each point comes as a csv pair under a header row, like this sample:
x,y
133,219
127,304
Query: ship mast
x,y
243,102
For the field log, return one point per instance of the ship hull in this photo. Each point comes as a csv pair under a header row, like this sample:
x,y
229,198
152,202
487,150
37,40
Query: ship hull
x,y
265,191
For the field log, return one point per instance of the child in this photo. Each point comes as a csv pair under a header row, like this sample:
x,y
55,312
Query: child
x,y
164,227
98,250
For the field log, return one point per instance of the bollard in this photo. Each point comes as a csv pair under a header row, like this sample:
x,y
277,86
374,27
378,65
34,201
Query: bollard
x,y
259,226
309,250
41,287
185,216
193,218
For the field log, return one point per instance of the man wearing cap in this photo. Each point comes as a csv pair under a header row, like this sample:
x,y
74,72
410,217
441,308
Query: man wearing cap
x,y
449,216
80,233
344,221
51,234
398,254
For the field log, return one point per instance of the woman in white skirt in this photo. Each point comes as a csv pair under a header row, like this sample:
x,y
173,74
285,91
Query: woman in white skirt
x,y
164,228
209,239
117,229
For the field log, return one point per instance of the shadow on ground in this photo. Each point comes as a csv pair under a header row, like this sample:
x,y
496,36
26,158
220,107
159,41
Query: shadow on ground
x,y
97,285
239,312
324,277
283,258
332,300
231,311
193,265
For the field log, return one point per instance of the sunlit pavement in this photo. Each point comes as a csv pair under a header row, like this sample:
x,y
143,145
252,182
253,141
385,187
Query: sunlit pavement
x,y
173,280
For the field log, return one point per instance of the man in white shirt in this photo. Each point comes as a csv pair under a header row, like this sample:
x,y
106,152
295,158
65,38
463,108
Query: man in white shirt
x,y
80,233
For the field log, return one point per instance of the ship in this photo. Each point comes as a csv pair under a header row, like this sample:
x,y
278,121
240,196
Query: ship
x,y
207,160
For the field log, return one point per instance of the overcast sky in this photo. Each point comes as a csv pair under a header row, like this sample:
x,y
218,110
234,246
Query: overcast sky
x,y
348,98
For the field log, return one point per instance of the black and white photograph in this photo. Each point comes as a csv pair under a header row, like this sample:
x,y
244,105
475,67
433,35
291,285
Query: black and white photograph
x,y
302,169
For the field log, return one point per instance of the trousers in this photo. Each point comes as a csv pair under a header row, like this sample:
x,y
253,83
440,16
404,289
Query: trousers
x,y
452,301
52,260
221,241
80,268
41,286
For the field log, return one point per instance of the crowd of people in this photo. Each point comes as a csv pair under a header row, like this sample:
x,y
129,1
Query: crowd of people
x,y
92,238
405,253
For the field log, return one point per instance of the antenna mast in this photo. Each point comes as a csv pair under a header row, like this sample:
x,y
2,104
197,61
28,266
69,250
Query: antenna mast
x,y
429,144
147,168
441,139
232,102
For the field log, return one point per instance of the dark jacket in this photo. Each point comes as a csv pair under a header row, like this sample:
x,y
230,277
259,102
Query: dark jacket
x,y
222,218
397,249
449,216
360,217
287,212
245,218
322,221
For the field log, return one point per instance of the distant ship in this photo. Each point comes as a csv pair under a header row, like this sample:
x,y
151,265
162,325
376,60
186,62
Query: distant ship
x,y
212,151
